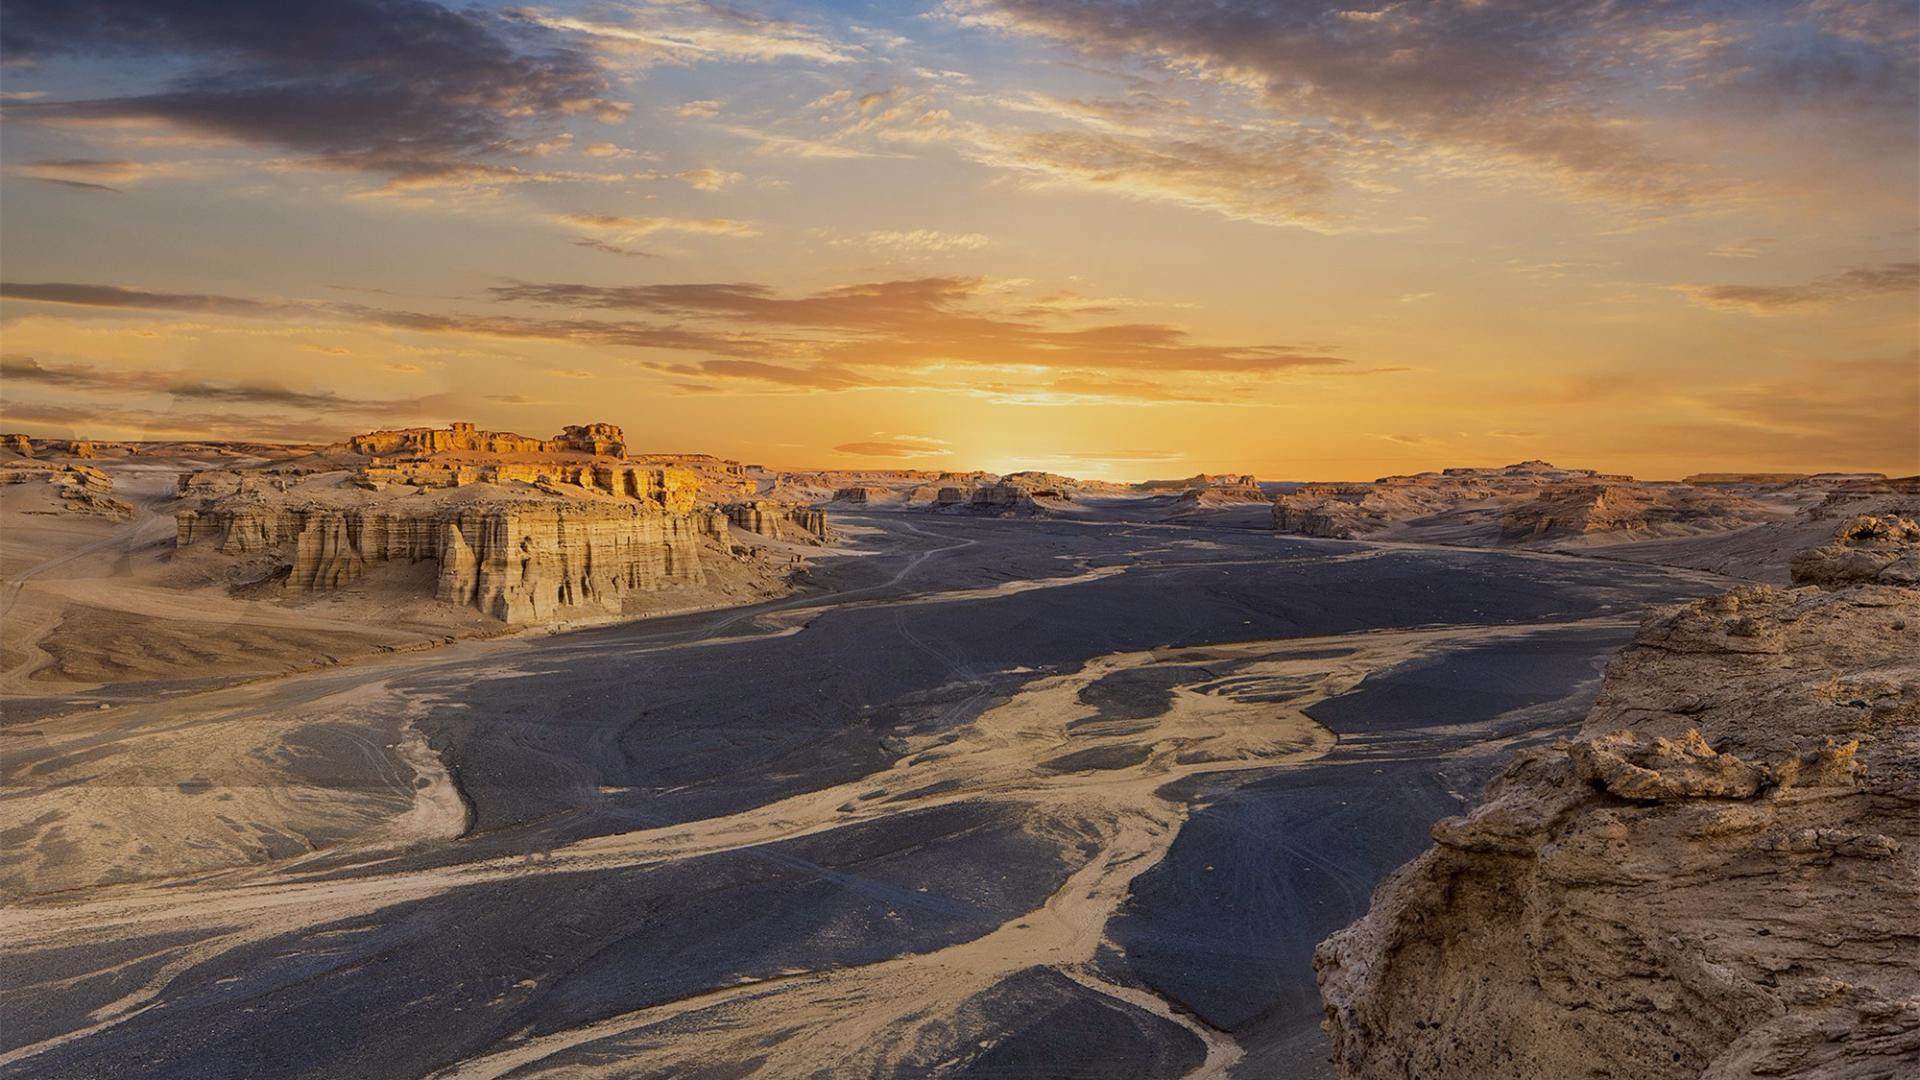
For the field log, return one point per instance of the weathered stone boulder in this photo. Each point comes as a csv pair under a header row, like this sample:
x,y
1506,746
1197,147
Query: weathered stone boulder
x,y
1866,550
1717,878
80,488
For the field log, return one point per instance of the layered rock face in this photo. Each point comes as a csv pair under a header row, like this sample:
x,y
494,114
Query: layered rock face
x,y
518,560
1199,482
529,563
1528,503
597,439
779,520
80,488
1574,510
1005,497
1719,877
27,447
674,489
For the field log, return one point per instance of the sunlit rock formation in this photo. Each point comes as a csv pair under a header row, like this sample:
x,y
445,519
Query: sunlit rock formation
x,y
1885,550
778,520
79,488
1717,878
521,530
594,439
1528,503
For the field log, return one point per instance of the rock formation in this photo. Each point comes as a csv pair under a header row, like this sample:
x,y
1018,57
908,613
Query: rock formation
x,y
674,489
522,530
530,563
79,488
1528,503
1866,549
778,520
1717,878
1564,511
29,447
605,440
1199,482
518,559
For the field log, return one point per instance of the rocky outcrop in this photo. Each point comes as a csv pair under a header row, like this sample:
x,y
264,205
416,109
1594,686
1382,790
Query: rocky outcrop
x,y
28,447
778,520
1717,878
605,440
1198,482
1529,503
1564,511
1008,498
518,560
1866,550
673,489
530,563
79,488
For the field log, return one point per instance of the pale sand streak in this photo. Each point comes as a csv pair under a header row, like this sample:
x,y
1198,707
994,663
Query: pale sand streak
x,y
992,758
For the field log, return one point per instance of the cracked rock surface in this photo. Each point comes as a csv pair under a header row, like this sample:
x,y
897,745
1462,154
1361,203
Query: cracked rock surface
x,y
1719,877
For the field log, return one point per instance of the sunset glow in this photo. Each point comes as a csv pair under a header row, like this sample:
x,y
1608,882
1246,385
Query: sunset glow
x,y
1103,238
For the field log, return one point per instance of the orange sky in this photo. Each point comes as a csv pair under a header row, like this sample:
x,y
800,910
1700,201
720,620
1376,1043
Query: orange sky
x,y
1100,237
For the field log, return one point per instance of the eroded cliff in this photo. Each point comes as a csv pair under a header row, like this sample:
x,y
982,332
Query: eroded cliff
x,y
1718,877
521,530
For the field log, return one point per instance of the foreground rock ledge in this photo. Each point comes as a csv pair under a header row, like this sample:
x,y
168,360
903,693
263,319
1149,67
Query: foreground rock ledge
x,y
1720,877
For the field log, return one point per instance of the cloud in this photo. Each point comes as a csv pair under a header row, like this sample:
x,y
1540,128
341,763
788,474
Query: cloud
x,y
584,331
906,242
91,173
614,249
115,296
685,33
85,378
1855,284
1749,248
633,228
707,179
1591,97
927,321
898,446
398,87
926,333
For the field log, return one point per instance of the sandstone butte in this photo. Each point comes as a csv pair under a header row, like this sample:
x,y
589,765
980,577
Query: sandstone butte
x,y
521,529
1537,504
1718,877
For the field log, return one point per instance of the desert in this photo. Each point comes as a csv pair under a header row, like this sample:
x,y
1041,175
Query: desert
x,y
1087,772
960,540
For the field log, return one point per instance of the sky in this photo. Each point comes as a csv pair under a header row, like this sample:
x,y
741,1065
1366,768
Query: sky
x,y
1112,238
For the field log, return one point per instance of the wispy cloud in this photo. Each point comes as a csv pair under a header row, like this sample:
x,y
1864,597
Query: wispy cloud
x,y
630,227
1855,284
708,179
897,446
